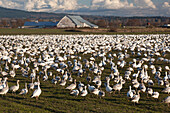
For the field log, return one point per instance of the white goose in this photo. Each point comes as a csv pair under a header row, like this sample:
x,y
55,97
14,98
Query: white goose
x,y
167,100
24,91
90,88
130,93
166,90
108,88
101,93
136,98
72,86
63,83
12,73
149,91
84,92
4,90
155,95
74,92
31,85
95,91
80,86
15,88
142,86
118,87
37,92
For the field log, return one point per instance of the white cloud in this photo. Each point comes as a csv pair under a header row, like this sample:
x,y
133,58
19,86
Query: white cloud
x,y
10,4
113,7
144,4
166,5
40,5
110,4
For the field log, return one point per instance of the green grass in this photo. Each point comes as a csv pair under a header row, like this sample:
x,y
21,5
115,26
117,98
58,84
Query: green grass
x,y
55,98
14,31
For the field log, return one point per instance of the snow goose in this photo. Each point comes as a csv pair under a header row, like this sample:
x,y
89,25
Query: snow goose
x,y
96,78
130,93
45,77
84,92
150,83
136,85
111,76
14,88
118,87
65,76
166,90
72,86
31,85
155,95
160,82
149,91
54,81
58,78
167,68
12,73
95,91
167,100
24,91
62,82
74,92
108,88
70,78
101,93
37,83
98,83
90,88
166,84
80,86
135,75
165,77
4,90
6,67
135,98
3,84
88,78
3,72
142,86
37,92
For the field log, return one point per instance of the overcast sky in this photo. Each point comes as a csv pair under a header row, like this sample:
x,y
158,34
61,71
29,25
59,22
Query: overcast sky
x,y
95,7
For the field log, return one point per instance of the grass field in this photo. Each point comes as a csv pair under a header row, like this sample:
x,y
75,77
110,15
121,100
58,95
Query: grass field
x,y
14,31
55,98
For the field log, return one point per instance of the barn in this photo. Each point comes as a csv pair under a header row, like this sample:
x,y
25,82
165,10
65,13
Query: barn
x,y
74,22
40,24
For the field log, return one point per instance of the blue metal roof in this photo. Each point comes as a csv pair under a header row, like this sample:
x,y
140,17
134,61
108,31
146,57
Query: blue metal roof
x,y
52,24
79,21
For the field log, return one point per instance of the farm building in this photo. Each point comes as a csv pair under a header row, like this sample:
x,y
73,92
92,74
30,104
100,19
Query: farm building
x,y
40,24
166,26
74,22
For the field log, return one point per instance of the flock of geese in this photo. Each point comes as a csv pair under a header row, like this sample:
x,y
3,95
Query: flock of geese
x,y
103,64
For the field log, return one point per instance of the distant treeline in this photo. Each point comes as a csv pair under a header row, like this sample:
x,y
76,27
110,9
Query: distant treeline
x,y
111,21
102,22
16,18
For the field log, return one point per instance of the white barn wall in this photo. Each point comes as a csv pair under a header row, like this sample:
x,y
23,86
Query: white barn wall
x,y
66,22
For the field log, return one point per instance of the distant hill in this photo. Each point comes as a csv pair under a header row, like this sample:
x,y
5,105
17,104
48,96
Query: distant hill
x,y
101,21
14,13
